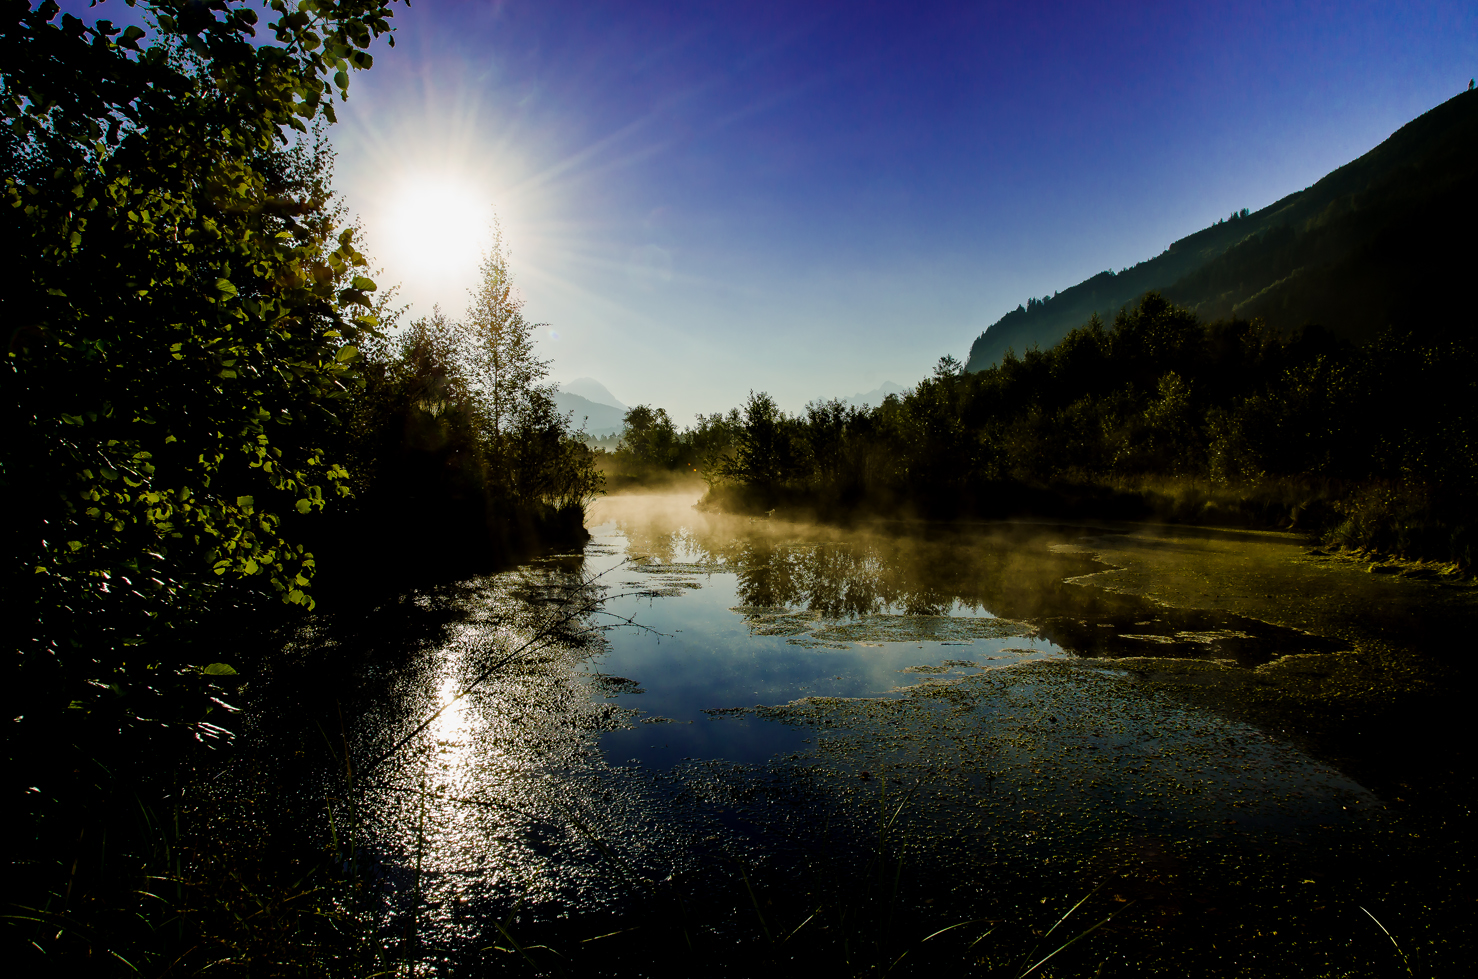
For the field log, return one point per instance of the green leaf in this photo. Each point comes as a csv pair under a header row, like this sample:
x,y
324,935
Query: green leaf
x,y
347,353
132,353
363,284
218,669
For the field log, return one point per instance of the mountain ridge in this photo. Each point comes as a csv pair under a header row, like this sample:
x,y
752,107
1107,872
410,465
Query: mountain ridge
x,y
598,420
1351,251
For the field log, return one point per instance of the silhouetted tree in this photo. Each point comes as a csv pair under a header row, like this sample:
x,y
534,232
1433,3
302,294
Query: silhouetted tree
x,y
498,344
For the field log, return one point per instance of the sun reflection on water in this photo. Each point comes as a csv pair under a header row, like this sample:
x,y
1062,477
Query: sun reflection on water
x,y
451,728
579,767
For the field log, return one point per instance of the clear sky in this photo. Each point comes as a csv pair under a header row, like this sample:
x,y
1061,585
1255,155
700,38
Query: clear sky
x,y
812,198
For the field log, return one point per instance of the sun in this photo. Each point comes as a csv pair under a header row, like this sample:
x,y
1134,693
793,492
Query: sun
x,y
435,226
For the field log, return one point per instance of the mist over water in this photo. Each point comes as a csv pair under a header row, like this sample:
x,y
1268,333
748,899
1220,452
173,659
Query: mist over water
x,y
738,612
750,689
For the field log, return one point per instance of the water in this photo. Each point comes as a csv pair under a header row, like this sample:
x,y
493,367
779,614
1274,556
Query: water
x,y
731,616
750,694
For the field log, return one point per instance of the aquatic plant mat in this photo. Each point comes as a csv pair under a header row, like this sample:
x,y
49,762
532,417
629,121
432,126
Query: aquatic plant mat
x,y
873,755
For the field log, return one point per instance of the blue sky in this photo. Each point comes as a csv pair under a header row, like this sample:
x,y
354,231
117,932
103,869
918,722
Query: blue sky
x,y
812,198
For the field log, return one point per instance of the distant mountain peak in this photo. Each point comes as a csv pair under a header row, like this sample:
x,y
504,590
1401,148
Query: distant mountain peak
x,y
876,396
592,390
595,418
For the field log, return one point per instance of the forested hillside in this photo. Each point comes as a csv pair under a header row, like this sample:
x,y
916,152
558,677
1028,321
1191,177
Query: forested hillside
x,y
1377,243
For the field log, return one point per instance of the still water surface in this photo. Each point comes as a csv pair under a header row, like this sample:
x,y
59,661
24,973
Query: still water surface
x,y
747,692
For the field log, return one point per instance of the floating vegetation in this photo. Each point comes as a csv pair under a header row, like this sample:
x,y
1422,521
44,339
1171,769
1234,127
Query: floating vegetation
x,y
923,628
809,629
881,786
1205,638
613,686
647,566
777,621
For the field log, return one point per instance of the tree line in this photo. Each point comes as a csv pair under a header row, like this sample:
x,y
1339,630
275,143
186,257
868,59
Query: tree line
x,y
455,448
1158,415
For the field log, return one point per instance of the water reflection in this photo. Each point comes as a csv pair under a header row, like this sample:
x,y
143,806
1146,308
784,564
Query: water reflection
x,y
787,576
501,800
778,670
450,729
744,613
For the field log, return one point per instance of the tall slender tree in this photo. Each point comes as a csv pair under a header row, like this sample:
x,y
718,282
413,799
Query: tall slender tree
x,y
499,345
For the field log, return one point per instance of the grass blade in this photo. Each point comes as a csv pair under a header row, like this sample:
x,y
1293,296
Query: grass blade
x,y
755,901
1074,940
1404,960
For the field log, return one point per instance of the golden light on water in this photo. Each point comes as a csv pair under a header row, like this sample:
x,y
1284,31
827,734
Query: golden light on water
x,y
452,727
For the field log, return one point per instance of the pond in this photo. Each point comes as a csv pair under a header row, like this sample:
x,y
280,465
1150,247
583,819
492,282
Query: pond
x,y
756,743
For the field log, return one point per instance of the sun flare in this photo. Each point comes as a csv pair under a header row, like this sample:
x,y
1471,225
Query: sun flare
x,y
435,225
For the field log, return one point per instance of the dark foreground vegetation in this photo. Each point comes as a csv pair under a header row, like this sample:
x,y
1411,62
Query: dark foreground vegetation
x,y
207,426
457,456
1159,416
